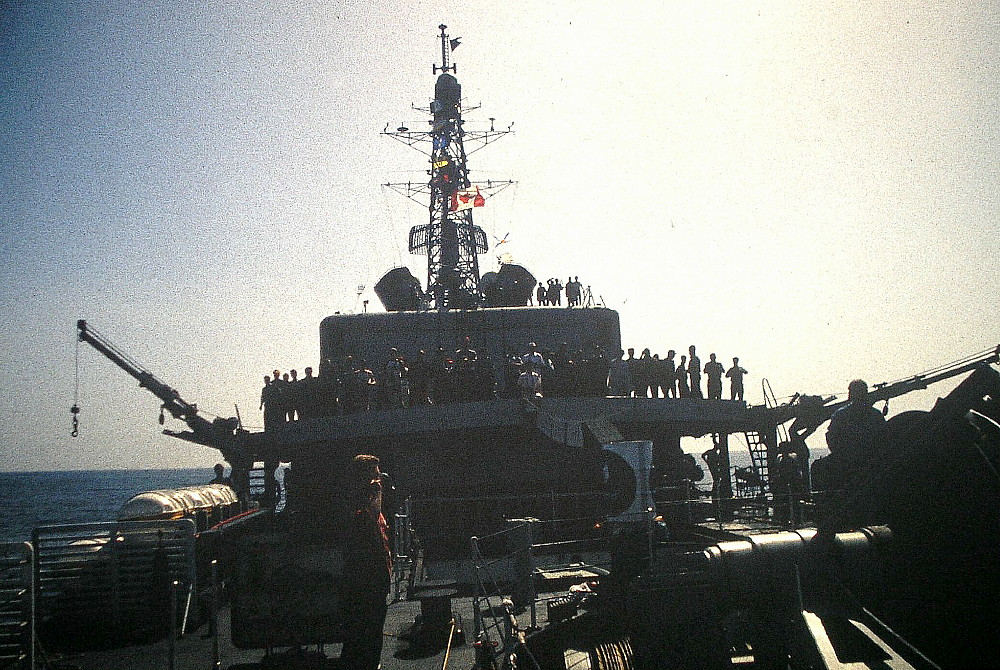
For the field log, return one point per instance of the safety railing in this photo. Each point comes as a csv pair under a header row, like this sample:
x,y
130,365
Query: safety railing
x,y
771,510
435,517
508,565
113,581
403,548
497,631
17,616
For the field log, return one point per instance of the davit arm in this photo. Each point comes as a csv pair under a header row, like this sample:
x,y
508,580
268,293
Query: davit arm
x,y
222,434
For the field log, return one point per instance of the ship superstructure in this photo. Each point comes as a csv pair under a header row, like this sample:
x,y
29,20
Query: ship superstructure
x,y
469,337
472,451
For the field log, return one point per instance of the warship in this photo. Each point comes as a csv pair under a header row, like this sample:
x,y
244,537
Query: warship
x,y
572,505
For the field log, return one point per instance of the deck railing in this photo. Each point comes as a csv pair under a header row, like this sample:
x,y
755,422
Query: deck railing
x,y
403,548
98,582
497,631
17,605
509,564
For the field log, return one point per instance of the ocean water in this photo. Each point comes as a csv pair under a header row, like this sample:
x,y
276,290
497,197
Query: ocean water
x,y
43,498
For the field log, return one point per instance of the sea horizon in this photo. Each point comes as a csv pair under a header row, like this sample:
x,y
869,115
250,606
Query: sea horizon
x,y
66,470
43,498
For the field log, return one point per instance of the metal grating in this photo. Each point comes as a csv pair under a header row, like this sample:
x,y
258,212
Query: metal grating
x,y
111,581
479,239
420,239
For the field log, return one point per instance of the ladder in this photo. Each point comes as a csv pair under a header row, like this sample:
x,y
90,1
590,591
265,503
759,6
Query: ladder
x,y
758,461
757,447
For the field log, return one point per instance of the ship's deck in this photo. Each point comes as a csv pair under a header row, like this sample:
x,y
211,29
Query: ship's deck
x,y
402,650
194,651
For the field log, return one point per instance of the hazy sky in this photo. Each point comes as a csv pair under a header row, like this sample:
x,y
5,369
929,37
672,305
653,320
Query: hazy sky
x,y
809,186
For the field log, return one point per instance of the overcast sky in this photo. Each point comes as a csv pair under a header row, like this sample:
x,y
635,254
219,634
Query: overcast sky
x,y
809,186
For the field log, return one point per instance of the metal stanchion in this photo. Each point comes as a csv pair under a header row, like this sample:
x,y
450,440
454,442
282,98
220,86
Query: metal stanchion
x,y
32,603
477,615
172,649
688,514
216,661
533,588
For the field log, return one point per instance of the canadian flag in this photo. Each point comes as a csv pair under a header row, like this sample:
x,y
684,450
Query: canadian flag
x,y
467,199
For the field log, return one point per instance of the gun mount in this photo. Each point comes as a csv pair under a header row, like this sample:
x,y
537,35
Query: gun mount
x,y
809,416
224,434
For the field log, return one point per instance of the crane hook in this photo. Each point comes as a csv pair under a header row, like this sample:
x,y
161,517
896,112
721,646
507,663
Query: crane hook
x,y
75,411
161,416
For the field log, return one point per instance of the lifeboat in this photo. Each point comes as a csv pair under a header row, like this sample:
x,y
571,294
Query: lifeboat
x,y
206,504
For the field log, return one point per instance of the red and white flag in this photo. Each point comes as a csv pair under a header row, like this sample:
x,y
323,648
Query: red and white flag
x,y
467,199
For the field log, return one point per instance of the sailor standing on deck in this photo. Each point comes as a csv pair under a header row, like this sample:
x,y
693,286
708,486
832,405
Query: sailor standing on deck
x,y
855,428
533,364
714,370
367,567
670,375
683,390
309,395
735,375
266,401
694,372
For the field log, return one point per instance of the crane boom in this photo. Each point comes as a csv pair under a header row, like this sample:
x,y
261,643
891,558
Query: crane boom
x,y
220,433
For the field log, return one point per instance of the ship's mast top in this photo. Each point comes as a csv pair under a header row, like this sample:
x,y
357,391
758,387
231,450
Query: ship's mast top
x,y
450,239
447,46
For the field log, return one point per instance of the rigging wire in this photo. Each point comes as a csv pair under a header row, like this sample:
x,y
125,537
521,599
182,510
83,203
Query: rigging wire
x,y
75,409
391,223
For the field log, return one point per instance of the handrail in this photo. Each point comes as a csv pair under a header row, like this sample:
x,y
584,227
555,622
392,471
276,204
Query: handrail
x,y
770,401
17,633
503,623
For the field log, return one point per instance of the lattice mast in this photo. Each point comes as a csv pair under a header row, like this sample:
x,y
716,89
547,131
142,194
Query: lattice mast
x,y
450,239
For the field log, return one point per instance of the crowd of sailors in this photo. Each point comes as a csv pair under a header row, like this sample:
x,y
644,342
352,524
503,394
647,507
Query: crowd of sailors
x,y
550,294
350,385
653,377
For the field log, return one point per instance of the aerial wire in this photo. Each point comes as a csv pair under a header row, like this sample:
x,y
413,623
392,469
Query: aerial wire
x,y
75,409
391,221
